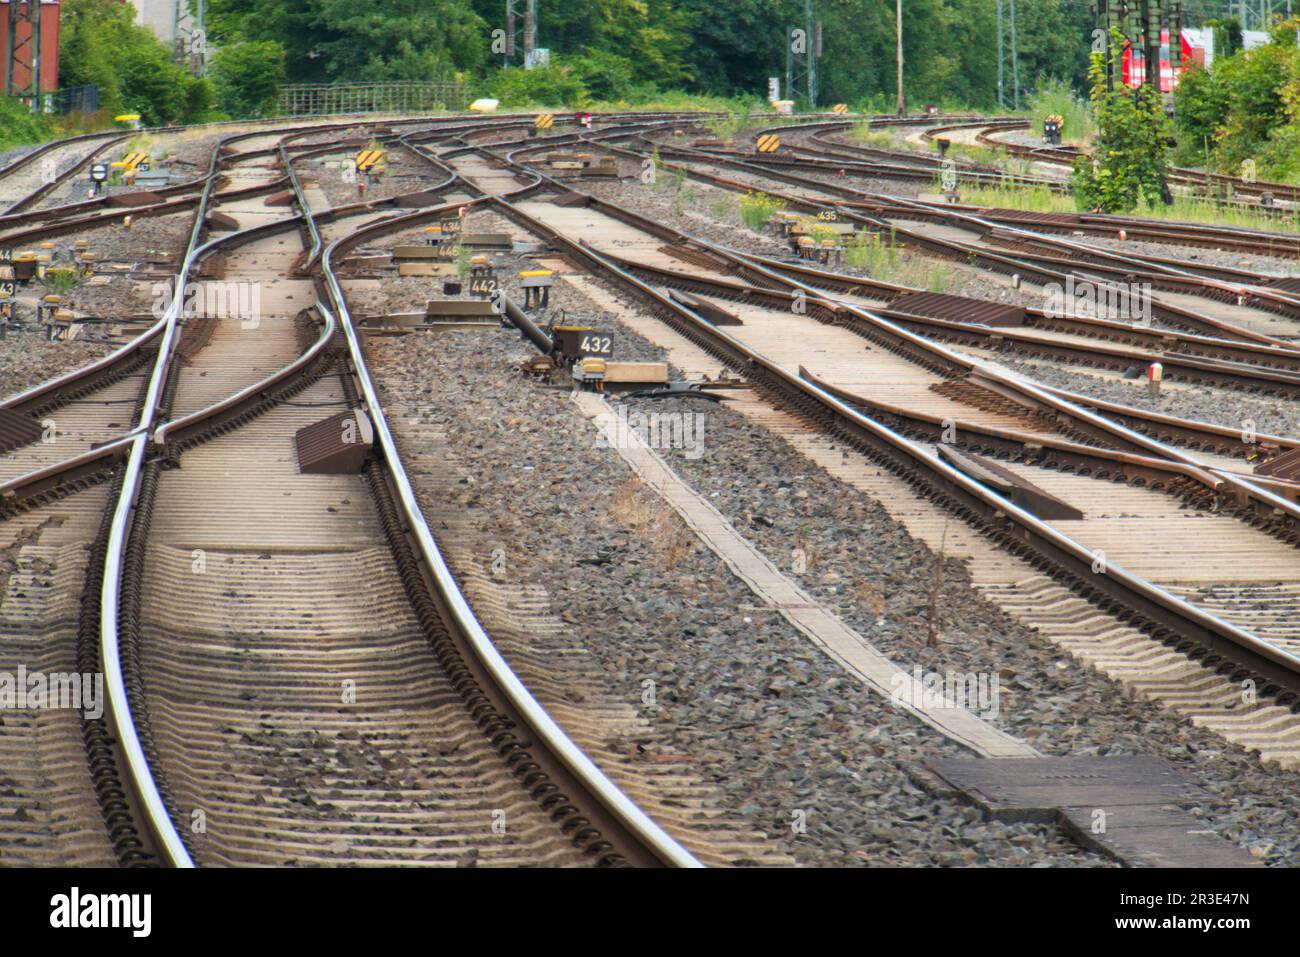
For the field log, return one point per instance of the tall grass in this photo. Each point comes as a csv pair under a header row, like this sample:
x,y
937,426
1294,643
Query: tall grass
x,y
1192,210
882,258
732,125
864,134
757,208
1040,199
1058,97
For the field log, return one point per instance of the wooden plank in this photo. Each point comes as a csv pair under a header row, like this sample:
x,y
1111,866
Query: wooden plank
x,y
444,270
416,252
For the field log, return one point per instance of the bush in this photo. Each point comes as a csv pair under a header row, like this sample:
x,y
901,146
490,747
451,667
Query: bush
x,y
1240,109
19,126
557,85
100,44
606,76
1129,163
757,208
247,77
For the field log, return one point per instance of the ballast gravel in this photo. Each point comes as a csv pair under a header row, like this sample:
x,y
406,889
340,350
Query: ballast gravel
x,y
799,749
740,684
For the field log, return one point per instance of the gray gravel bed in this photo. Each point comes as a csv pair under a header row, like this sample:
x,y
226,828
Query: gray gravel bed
x,y
881,580
1225,407
149,238
28,358
406,173
770,720
1191,256
699,209
8,156
912,268
152,245
186,155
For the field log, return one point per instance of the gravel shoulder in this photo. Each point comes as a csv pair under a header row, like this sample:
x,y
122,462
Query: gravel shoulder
x,y
741,684
763,715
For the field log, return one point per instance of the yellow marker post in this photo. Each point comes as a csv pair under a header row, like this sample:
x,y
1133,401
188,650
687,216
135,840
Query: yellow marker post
x,y
367,159
768,143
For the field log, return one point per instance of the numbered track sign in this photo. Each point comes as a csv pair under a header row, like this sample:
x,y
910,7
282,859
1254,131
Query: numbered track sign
x,y
482,286
593,343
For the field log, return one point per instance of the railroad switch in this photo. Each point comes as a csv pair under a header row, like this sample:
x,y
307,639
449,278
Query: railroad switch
x,y
536,284
589,372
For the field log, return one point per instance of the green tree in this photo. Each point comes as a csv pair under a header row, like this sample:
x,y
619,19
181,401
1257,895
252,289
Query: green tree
x,y
1244,106
1131,157
100,44
247,76
342,40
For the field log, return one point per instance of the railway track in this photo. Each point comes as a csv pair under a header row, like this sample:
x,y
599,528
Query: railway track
x,y
265,709
607,246
1180,295
442,714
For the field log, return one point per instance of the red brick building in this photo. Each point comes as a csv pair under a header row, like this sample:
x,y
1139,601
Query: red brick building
x,y
18,52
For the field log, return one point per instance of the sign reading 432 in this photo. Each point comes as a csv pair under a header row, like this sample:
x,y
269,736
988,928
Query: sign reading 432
x,y
596,344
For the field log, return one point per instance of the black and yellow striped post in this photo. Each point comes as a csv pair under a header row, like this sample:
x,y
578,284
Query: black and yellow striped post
x,y
368,159
840,108
768,143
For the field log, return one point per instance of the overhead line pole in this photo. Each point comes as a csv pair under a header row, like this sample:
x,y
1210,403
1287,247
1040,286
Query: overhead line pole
x,y
902,100
1002,99
1015,63
814,44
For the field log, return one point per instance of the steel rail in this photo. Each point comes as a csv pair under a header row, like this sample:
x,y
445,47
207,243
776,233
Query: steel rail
x,y
1185,344
1221,640
539,721
170,844
1213,637
1037,396
1181,366
1026,265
